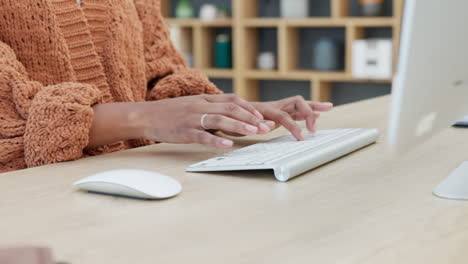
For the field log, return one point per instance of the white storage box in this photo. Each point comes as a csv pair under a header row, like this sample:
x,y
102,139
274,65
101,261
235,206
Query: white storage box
x,y
372,59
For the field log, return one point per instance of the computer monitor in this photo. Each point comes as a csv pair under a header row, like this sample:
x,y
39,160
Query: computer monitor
x,y
430,88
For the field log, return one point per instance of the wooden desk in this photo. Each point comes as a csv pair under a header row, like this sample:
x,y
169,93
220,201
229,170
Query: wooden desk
x,y
365,208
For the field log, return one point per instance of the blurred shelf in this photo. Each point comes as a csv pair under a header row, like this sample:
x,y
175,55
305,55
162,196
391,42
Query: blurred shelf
x,y
339,76
295,75
262,74
217,23
219,73
199,36
275,22
358,80
311,74
321,22
261,22
317,22
372,21
183,22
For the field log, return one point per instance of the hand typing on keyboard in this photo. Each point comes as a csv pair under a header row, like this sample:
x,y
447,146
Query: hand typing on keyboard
x,y
285,112
189,119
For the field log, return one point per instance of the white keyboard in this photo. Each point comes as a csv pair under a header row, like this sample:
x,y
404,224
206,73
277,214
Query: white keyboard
x,y
288,157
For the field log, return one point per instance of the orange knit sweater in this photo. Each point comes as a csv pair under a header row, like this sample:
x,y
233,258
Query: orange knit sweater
x,y
57,60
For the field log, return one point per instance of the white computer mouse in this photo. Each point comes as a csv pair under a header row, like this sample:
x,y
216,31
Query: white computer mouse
x,y
131,183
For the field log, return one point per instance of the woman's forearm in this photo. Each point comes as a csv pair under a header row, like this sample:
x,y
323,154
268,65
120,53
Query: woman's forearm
x,y
115,122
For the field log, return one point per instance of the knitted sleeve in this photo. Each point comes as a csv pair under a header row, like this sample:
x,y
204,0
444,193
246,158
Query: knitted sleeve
x,y
40,124
166,70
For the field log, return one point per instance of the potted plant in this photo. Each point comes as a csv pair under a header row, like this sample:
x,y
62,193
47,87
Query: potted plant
x,y
184,9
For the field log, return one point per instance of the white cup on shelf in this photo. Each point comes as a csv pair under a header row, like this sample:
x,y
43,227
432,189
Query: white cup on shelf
x,y
266,61
208,12
294,8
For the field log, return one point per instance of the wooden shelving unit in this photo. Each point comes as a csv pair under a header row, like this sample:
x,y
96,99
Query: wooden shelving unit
x,y
244,25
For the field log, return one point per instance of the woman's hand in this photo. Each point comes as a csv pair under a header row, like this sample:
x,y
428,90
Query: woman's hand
x,y
285,112
178,120
26,255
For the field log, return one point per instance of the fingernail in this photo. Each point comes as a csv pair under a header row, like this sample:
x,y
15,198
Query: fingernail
x,y
314,127
251,128
270,123
301,136
327,104
257,113
227,143
265,127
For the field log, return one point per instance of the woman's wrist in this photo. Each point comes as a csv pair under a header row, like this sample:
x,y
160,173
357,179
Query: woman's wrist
x,y
115,122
